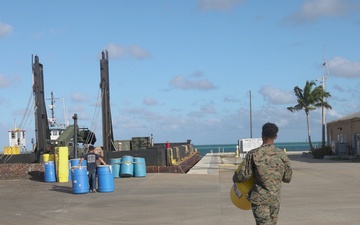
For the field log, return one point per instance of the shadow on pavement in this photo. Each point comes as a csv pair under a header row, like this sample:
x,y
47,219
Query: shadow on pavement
x,y
63,189
36,176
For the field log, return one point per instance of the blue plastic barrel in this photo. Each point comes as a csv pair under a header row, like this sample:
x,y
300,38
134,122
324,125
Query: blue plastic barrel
x,y
80,181
127,166
49,171
139,167
70,170
75,162
115,167
105,178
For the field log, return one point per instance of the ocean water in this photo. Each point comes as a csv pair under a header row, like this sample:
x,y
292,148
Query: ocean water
x,y
289,146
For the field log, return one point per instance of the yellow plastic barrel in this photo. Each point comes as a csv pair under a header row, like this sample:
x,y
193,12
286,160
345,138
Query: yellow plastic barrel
x,y
238,192
48,157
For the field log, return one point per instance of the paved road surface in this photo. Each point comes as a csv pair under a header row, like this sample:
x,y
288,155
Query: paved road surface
x,y
321,192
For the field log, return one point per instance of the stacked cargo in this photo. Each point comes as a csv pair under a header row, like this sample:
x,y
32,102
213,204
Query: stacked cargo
x,y
62,164
140,143
123,145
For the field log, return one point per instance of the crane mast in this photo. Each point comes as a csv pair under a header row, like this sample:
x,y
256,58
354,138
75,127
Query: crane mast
x,y
107,130
43,143
70,134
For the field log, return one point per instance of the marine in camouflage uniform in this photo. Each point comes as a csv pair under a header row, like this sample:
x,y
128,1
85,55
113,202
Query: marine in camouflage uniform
x,y
270,167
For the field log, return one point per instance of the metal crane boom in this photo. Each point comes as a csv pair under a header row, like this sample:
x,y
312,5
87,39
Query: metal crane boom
x,y
41,120
107,130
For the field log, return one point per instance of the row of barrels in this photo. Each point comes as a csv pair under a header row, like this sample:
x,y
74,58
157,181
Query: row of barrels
x,y
50,169
127,166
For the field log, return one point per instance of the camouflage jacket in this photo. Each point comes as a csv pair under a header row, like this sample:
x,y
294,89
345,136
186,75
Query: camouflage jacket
x,y
270,167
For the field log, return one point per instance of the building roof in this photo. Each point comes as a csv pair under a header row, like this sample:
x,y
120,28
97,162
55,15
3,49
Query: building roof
x,y
348,117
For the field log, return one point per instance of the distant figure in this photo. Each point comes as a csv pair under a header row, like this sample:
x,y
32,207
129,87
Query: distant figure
x,y
91,158
81,152
269,166
168,145
152,140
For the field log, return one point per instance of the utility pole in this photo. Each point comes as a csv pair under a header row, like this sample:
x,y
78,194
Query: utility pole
x,y
323,110
250,116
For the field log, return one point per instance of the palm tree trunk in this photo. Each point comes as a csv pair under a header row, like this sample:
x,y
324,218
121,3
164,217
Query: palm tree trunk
x,y
308,127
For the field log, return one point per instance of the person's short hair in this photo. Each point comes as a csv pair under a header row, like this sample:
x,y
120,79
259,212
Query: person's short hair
x,y
270,130
91,148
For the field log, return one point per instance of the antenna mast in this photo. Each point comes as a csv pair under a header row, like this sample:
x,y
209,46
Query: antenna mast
x,y
52,106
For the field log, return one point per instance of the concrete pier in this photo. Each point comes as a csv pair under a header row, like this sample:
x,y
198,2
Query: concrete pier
x,y
321,192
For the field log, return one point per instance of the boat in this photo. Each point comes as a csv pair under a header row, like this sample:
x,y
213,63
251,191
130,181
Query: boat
x,y
159,157
56,129
180,157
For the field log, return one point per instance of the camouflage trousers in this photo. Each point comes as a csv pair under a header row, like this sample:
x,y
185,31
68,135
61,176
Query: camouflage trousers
x,y
266,214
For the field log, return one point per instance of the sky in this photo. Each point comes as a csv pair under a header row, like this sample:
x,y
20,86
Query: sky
x,y
213,71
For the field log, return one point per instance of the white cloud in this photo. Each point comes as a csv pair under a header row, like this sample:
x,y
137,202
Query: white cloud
x,y
209,109
80,110
78,97
181,82
150,101
117,51
4,81
19,112
2,100
5,29
48,32
277,96
340,67
137,52
313,10
231,126
231,99
7,81
333,114
217,5
203,112
197,74
339,88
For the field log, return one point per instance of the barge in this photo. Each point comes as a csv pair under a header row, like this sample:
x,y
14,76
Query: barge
x,y
177,157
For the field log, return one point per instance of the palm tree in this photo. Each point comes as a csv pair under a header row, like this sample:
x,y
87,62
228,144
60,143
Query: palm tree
x,y
309,99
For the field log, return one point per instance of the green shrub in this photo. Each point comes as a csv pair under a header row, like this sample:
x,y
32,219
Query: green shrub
x,y
319,153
